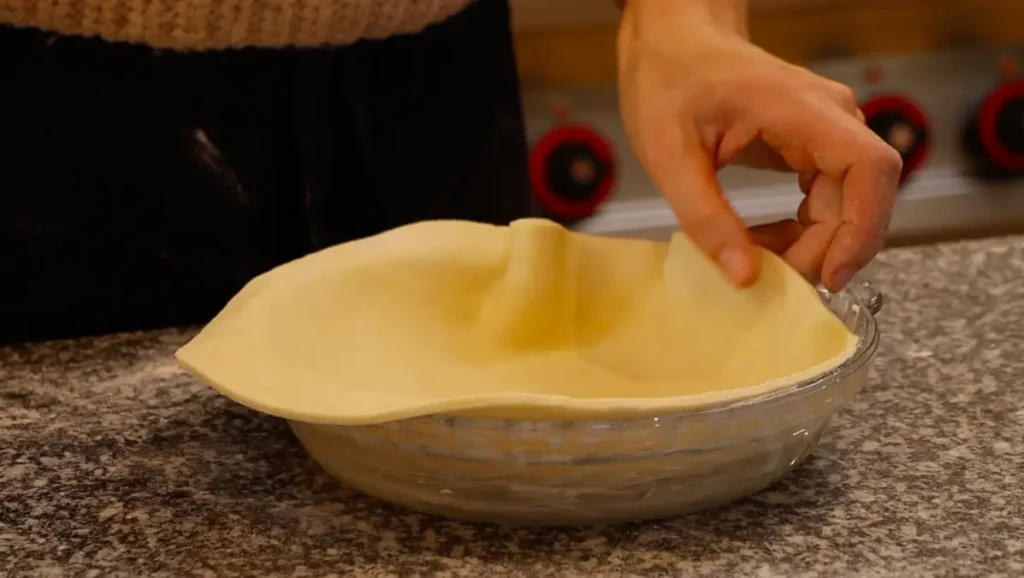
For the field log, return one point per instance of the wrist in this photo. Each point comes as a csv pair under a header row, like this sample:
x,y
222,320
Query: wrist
x,y
717,16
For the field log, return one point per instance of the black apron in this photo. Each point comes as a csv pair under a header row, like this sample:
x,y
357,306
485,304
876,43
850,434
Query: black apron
x,y
142,188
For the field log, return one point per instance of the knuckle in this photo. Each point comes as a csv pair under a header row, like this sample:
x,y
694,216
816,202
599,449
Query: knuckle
x,y
886,159
844,96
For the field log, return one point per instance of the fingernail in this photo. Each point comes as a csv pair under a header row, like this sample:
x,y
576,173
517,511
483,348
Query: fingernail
x,y
736,265
841,277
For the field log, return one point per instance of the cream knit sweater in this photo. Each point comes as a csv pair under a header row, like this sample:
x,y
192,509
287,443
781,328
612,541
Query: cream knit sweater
x,y
215,24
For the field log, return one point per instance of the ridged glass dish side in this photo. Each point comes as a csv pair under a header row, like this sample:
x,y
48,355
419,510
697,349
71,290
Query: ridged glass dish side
x,y
587,472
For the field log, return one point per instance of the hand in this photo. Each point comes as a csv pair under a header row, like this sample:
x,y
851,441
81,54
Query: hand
x,y
695,95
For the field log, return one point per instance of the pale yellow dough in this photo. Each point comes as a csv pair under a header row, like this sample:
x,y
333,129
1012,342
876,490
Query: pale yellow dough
x,y
529,320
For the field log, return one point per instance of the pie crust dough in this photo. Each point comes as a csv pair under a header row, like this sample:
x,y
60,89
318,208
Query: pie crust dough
x,y
525,321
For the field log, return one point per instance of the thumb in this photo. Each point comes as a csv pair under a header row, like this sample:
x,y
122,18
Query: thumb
x,y
686,176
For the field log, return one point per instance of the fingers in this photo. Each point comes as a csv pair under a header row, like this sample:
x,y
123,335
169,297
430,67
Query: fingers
x,y
685,174
848,152
868,191
819,213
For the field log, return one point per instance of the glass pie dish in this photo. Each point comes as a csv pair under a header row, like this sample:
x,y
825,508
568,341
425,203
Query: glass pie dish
x,y
581,472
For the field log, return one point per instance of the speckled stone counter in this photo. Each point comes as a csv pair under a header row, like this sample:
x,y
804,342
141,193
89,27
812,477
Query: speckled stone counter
x,y
114,463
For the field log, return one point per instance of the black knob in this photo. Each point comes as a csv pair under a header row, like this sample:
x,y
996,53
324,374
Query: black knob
x,y
1008,124
994,132
572,172
902,124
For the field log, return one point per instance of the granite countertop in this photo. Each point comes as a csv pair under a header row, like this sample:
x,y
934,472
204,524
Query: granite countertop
x,y
115,463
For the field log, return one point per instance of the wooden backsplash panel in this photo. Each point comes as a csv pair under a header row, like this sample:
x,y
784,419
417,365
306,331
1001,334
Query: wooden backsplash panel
x,y
797,31
533,15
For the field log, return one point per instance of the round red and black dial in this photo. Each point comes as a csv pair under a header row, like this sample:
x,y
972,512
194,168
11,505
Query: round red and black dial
x,y
572,171
901,123
996,132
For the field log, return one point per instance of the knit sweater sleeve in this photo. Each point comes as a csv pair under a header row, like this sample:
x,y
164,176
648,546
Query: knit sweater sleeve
x,y
219,24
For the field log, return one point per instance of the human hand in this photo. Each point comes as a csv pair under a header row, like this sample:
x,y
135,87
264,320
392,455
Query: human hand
x,y
695,96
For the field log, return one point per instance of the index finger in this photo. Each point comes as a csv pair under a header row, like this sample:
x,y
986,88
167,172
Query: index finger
x,y
686,176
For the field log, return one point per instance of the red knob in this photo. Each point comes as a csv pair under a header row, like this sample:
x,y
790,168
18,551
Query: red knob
x,y
1000,127
572,171
902,124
